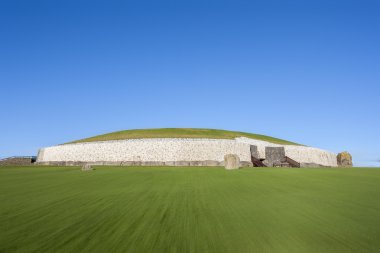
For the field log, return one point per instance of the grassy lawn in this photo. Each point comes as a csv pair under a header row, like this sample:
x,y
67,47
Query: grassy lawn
x,y
142,209
181,133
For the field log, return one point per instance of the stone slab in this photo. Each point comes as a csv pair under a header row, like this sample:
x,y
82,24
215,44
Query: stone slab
x,y
231,161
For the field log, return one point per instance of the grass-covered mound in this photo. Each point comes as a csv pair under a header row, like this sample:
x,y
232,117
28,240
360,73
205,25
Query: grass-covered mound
x,y
181,133
163,209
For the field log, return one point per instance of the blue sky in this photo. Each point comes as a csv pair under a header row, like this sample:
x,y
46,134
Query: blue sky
x,y
306,71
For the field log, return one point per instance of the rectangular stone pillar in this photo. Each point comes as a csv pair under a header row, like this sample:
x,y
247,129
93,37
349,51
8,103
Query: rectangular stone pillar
x,y
274,155
254,152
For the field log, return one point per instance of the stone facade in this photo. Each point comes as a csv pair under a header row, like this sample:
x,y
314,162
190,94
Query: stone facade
x,y
175,152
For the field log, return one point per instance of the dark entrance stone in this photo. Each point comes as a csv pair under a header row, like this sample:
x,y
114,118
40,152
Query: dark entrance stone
x,y
274,155
254,152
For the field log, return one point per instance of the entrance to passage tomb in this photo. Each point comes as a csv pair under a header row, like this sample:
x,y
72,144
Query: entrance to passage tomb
x,y
274,157
256,161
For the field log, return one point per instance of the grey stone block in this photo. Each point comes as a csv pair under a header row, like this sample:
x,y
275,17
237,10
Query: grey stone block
x,y
274,155
266,163
254,151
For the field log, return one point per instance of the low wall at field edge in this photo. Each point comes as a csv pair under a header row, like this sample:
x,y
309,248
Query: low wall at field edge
x,y
17,161
173,152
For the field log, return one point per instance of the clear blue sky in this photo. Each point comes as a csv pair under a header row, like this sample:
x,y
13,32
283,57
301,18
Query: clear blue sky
x,y
306,71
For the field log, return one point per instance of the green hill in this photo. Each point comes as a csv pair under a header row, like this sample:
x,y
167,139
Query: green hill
x,y
180,133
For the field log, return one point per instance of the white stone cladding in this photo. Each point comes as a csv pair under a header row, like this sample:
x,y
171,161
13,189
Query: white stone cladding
x,y
176,149
160,150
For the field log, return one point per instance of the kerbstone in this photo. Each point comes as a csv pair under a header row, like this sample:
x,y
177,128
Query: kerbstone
x,y
211,163
196,163
182,163
344,159
152,163
231,161
87,167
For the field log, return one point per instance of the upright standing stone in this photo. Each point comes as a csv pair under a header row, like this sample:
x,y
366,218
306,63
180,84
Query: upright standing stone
x,y
344,159
254,151
274,155
231,162
87,167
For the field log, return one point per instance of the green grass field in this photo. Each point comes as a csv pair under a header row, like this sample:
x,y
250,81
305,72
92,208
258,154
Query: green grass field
x,y
181,133
161,209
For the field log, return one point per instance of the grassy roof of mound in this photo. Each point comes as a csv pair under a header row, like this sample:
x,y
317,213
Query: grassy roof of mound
x,y
180,133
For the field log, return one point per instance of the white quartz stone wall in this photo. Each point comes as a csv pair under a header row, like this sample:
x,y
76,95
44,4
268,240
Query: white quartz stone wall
x,y
303,154
159,150
176,149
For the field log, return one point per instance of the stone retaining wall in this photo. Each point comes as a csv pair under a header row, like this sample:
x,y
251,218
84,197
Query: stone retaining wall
x,y
175,152
146,150
140,163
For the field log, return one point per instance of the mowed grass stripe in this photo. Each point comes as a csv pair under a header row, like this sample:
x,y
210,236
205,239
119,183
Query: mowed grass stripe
x,y
163,209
